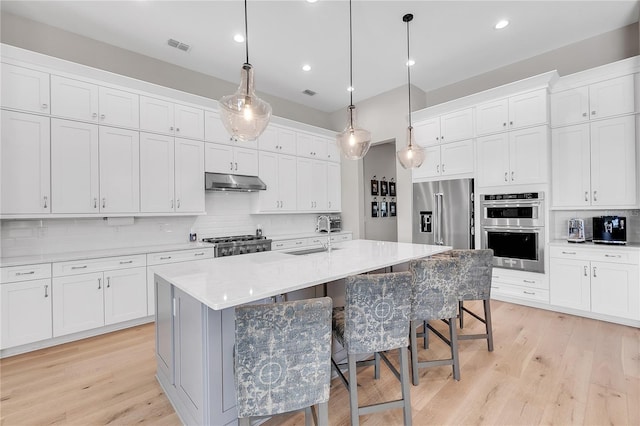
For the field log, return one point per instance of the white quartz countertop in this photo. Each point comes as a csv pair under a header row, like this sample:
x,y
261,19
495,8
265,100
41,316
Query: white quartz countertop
x,y
305,235
590,245
231,281
91,254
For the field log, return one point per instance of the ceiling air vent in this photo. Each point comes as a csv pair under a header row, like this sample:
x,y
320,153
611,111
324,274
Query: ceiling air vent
x,y
309,92
178,45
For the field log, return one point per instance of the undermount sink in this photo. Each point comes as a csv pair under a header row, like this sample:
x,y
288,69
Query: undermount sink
x,y
310,251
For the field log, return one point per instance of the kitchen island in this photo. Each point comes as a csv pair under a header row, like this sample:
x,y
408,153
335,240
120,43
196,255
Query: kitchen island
x,y
195,313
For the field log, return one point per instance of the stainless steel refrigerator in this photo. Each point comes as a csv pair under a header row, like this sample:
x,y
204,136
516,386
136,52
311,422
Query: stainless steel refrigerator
x,y
443,213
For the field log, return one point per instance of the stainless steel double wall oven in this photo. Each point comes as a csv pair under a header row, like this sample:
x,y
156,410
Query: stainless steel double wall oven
x,y
513,226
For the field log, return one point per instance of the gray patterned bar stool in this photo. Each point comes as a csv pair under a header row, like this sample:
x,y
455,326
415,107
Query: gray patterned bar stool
x,y
375,319
283,359
477,267
436,285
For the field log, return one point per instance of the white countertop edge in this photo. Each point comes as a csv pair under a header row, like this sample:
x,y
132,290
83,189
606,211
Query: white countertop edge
x,y
91,254
208,280
305,235
590,245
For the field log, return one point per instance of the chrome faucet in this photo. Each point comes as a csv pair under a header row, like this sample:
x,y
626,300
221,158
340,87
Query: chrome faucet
x,y
325,217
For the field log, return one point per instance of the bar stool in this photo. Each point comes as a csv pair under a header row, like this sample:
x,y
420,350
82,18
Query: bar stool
x,y
476,273
436,285
375,319
283,359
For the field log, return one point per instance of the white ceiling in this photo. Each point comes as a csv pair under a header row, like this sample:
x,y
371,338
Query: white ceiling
x,y
450,40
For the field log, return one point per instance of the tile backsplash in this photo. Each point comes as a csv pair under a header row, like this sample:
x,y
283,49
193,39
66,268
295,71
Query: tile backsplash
x,y
559,218
228,213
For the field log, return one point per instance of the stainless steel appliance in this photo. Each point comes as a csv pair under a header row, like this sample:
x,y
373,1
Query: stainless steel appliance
x,y
610,230
443,213
239,244
578,231
512,225
230,182
333,224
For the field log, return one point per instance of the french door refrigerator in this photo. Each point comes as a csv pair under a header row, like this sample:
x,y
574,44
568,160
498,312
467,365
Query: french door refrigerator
x,y
443,213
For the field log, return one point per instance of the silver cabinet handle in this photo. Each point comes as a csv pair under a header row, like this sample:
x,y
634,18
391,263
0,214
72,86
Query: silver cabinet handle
x,y
438,168
46,290
511,123
533,293
584,114
513,177
104,202
586,195
568,252
108,282
199,254
437,138
45,201
172,203
442,137
594,272
442,167
171,128
595,195
506,179
230,165
99,283
236,166
25,273
612,255
529,281
45,106
178,202
102,116
177,129
504,124
165,258
79,267
94,115
585,271
95,203
122,262
593,113
329,204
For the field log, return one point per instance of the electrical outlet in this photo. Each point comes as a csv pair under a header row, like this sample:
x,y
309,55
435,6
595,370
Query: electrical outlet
x,y
635,212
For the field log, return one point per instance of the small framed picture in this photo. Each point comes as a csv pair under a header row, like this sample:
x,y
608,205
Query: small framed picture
x,y
392,208
383,209
392,189
384,189
374,187
374,209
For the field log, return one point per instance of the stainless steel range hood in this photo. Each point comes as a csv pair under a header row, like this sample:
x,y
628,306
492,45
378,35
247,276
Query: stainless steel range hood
x,y
226,182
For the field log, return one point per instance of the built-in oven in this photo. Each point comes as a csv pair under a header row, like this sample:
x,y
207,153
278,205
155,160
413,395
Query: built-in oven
x,y
512,225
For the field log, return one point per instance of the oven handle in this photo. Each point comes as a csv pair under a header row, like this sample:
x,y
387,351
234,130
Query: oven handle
x,y
502,203
512,229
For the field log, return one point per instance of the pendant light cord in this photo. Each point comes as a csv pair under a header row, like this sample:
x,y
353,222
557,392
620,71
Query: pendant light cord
x,y
409,75
350,56
246,31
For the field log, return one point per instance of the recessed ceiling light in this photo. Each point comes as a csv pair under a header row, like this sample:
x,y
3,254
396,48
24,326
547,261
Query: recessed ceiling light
x,y
311,1
501,24
350,89
410,63
306,67
239,38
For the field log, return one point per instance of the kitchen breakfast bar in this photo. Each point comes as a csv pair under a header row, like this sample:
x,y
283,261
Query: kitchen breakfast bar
x,y
195,315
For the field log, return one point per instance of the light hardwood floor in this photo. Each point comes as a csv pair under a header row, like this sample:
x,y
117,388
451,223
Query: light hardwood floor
x,y
547,368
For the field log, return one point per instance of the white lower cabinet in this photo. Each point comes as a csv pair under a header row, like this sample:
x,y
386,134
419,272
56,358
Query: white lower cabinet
x,y
527,286
25,312
78,303
603,281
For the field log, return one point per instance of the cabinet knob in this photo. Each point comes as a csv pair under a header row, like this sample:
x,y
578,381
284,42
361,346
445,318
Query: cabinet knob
x,y
594,272
593,113
102,116
511,123
595,195
584,114
506,179
230,165
171,128
104,202
94,115
504,124
178,202
437,138
585,271
177,129
586,195
46,199
513,176
95,203
45,106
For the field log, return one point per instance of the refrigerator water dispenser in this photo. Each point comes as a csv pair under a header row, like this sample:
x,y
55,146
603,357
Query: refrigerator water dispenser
x,y
425,221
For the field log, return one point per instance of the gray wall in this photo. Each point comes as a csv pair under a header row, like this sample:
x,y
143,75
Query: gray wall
x,y
48,40
379,161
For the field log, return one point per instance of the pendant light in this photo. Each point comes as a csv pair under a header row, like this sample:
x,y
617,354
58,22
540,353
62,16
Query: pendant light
x,y
353,141
412,155
243,114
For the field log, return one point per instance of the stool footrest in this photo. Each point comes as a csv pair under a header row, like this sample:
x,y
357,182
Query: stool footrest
x,y
472,336
473,314
373,408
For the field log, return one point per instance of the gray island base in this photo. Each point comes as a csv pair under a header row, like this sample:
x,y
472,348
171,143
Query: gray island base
x,y
195,313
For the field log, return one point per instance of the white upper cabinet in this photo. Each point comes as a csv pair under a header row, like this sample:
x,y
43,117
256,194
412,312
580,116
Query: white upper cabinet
x,y
278,139
84,101
25,89
524,110
311,146
446,160
278,172
571,166
189,176
600,100
214,130
334,187
333,151
230,159
160,116
119,170
450,127
25,164
157,159
312,185
74,167
518,157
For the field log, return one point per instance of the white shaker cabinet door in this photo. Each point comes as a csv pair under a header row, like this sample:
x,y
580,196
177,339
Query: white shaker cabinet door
x,y
456,158
492,117
319,185
615,289
189,176
571,166
269,200
456,126
74,167
611,97
333,151
125,295
570,106
119,170
218,158
286,141
26,312
25,164
287,186
156,173
334,187
25,89
570,284
427,132
77,303
74,99
189,122
614,177
156,115
528,109
493,160
245,161
119,108
306,192
529,158
214,130
430,166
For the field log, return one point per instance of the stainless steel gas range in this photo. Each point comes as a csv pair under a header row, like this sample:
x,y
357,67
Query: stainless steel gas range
x,y
238,244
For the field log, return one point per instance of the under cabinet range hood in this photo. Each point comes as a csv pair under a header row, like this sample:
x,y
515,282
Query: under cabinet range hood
x,y
227,182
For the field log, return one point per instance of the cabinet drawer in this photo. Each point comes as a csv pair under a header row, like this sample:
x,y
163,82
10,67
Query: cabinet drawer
x,y
613,255
314,241
340,237
530,280
287,244
535,294
179,256
86,266
24,273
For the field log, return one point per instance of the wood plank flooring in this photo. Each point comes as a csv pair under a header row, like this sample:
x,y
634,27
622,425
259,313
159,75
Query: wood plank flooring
x,y
547,368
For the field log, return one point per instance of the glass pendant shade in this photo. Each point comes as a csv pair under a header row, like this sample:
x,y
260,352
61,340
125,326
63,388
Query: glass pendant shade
x,y
243,114
353,142
412,155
